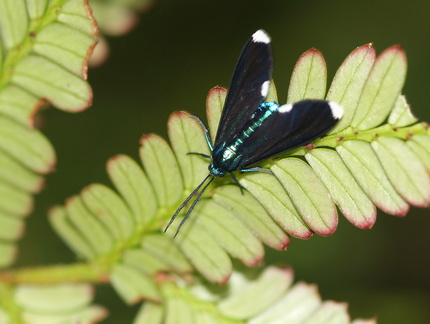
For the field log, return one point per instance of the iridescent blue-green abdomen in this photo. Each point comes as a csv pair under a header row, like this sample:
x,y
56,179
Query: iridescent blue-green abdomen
x,y
226,156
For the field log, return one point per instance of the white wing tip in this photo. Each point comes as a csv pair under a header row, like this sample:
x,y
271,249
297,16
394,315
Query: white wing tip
x,y
285,108
265,88
260,36
336,109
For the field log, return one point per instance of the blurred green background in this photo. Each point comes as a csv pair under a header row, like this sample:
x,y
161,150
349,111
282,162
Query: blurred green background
x,y
179,50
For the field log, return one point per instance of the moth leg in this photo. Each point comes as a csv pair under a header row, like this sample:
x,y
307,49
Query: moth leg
x,y
237,182
257,169
200,154
208,138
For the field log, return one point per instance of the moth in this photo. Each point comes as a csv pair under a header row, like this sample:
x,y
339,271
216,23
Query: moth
x,y
251,130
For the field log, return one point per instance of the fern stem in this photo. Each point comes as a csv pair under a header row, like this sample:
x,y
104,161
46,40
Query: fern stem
x,y
79,272
369,135
9,304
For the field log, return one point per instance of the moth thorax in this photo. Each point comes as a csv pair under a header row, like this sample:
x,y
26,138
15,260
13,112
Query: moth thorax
x,y
216,171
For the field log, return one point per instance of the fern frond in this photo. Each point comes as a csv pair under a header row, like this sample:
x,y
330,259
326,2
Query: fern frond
x,y
43,57
115,18
267,296
64,303
361,165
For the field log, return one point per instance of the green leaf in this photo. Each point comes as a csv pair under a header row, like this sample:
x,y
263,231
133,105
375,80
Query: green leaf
x,y
252,214
398,161
12,32
8,254
308,194
132,183
186,136
63,303
144,261
203,251
88,315
203,317
349,81
47,48
401,115
178,311
329,312
109,209
250,296
270,286
14,201
382,89
57,298
133,285
62,88
11,227
349,197
149,313
364,165
79,16
65,46
273,197
214,104
157,156
420,145
18,104
16,174
74,240
296,305
36,9
309,77
235,238
27,146
90,228
272,95
162,247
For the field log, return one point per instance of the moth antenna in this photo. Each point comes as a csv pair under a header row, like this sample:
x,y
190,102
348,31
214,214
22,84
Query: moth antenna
x,y
185,202
194,203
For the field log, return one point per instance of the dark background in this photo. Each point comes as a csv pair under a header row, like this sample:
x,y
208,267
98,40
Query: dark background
x,y
181,49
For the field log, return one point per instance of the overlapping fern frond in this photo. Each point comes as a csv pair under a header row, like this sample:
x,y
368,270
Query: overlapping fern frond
x,y
45,46
377,156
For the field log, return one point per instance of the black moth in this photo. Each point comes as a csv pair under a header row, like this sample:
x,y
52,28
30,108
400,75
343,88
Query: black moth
x,y
251,130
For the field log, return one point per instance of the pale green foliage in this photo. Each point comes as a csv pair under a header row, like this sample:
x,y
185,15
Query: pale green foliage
x,y
44,51
360,165
50,304
254,297
44,46
354,168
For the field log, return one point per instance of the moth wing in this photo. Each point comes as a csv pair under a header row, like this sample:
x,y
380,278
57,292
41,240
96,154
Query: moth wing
x,y
248,87
289,127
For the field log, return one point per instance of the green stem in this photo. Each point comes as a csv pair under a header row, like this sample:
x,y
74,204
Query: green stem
x,y
98,270
7,301
367,135
79,272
